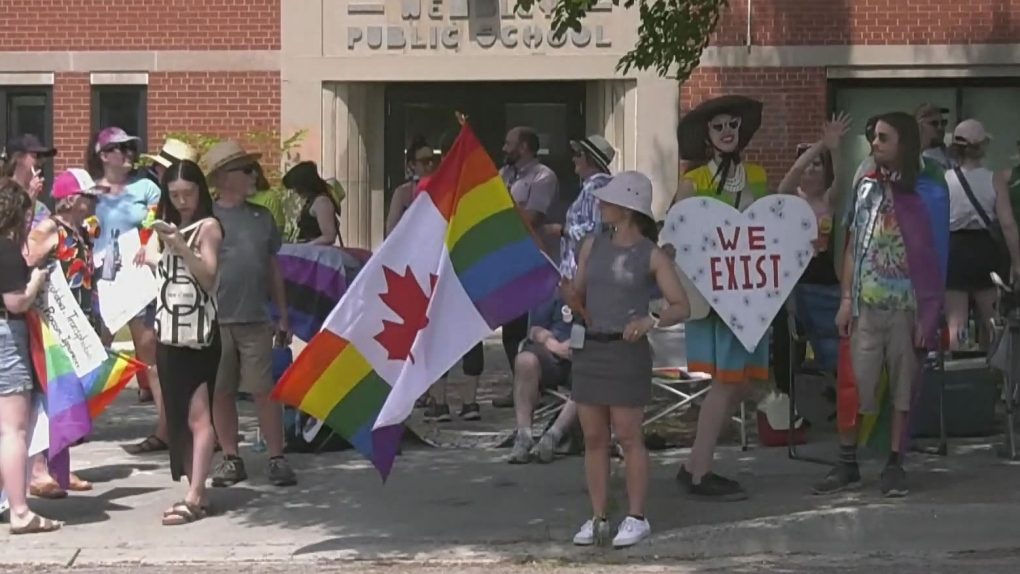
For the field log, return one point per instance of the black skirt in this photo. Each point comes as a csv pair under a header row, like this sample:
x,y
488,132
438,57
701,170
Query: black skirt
x,y
973,256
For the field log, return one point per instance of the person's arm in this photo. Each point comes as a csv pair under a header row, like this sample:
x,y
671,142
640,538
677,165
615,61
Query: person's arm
x,y
325,215
398,204
152,194
543,192
41,242
1007,222
203,265
151,254
21,300
664,270
573,290
684,190
591,216
792,178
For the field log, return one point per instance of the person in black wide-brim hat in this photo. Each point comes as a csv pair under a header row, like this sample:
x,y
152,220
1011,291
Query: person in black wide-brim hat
x,y
716,132
317,224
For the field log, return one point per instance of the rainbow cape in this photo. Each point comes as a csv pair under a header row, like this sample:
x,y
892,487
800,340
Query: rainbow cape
x,y
461,263
923,218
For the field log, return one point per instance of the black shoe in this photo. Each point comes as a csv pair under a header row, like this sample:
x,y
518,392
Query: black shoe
x,y
894,482
438,413
505,402
843,476
470,412
712,486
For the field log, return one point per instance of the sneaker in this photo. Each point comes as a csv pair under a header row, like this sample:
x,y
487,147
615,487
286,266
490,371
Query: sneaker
x,y
521,452
632,530
280,473
717,487
545,450
684,477
842,477
594,531
504,402
894,482
229,472
470,412
437,413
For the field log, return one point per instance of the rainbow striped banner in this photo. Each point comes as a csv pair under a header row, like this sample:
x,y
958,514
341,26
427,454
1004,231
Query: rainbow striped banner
x,y
460,263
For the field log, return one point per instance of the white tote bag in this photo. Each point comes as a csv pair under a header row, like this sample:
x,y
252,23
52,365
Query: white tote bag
x,y
185,313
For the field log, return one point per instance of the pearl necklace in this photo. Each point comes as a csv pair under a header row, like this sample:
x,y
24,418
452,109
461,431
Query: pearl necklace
x,y
736,178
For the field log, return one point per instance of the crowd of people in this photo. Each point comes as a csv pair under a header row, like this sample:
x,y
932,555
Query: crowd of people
x,y
881,289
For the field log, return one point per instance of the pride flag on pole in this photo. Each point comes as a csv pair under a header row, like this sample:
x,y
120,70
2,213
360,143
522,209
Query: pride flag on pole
x,y
461,263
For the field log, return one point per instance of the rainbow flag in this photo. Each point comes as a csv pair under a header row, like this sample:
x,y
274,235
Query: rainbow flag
x,y
460,263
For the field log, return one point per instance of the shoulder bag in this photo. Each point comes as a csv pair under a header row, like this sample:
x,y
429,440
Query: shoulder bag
x,y
186,313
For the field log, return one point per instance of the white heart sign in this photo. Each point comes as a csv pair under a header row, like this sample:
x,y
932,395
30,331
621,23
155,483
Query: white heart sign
x,y
744,264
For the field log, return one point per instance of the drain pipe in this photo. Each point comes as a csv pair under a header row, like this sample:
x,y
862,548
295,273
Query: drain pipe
x,y
749,26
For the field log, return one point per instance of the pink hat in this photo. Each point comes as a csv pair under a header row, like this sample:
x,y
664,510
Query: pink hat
x,y
73,182
113,136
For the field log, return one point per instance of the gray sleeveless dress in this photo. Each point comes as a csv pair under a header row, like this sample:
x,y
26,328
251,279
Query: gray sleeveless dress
x,y
608,370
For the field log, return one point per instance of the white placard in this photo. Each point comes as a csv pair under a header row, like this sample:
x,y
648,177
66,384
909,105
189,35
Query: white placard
x,y
60,312
132,289
744,264
38,442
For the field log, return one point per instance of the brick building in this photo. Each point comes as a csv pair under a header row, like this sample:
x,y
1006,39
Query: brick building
x,y
363,76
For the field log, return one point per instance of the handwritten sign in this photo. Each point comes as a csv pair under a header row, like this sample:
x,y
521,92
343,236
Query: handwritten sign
x,y
744,264
132,288
70,327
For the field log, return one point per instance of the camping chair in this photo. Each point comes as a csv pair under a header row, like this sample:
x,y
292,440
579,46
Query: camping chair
x,y
670,375
555,398
799,336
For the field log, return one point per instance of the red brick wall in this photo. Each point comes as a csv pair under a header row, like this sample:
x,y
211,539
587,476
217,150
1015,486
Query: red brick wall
x,y
795,108
836,22
61,25
221,104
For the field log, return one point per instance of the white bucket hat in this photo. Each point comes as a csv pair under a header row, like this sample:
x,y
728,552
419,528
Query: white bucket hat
x,y
629,189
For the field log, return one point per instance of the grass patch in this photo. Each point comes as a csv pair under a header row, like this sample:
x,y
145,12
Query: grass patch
x,y
123,336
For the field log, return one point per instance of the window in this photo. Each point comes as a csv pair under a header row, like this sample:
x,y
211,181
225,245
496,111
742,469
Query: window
x,y
123,107
28,110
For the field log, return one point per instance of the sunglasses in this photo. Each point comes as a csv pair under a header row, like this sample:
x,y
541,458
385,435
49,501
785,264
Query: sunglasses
x,y
938,124
123,147
246,169
720,126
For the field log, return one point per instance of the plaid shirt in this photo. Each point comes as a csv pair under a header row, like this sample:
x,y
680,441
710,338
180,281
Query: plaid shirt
x,y
583,218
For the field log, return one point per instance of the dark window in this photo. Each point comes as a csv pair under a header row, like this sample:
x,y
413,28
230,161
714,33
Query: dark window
x,y
120,106
29,110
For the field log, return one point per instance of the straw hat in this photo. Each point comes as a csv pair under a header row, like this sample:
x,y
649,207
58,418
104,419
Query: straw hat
x,y
598,149
173,150
227,154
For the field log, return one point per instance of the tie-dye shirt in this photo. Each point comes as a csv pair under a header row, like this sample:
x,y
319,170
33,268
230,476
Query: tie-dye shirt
x,y
880,256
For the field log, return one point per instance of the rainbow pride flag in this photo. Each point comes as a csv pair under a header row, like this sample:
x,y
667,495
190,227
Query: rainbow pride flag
x,y
460,263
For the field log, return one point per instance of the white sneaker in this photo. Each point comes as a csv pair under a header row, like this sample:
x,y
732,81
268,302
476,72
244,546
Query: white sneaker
x,y
591,532
631,532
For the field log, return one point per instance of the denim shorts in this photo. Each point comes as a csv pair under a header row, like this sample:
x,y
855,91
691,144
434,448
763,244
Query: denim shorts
x,y
15,358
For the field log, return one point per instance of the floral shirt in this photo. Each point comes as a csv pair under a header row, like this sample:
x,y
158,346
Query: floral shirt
x,y
74,252
583,218
881,273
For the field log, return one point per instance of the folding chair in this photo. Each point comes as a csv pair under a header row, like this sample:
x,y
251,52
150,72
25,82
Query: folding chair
x,y
797,337
669,374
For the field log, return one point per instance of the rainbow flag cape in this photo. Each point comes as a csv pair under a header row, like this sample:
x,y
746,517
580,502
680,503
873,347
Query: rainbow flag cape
x,y
461,263
924,219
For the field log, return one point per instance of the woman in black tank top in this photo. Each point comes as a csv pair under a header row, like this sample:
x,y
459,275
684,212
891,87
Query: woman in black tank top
x,y
318,222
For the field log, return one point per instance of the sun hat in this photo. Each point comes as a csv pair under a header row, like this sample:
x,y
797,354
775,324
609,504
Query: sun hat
x,y
598,149
692,131
228,153
629,189
113,136
970,132
27,143
173,150
73,182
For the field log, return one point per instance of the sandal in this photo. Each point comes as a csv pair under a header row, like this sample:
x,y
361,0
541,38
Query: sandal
x,y
78,484
182,513
151,444
47,490
37,525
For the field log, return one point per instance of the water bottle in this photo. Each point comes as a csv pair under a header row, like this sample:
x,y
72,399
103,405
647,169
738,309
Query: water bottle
x,y
260,442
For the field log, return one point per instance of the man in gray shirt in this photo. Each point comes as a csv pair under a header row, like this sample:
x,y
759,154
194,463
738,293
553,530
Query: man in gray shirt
x,y
248,276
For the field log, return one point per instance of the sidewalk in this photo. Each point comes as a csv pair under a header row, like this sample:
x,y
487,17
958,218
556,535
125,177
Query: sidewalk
x,y
467,505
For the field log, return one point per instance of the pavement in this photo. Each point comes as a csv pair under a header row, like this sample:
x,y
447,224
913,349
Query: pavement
x,y
461,509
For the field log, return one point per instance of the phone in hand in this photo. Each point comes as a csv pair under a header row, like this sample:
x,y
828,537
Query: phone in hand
x,y
163,227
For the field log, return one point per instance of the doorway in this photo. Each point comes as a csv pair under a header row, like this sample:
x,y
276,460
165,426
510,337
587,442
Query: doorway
x,y
556,110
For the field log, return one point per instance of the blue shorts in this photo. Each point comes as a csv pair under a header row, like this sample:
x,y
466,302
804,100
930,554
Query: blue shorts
x,y
15,358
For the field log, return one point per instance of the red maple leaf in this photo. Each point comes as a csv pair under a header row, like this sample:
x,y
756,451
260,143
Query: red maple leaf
x,y
406,298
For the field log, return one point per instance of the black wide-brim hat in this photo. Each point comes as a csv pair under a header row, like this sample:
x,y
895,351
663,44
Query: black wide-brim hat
x,y
692,131
305,176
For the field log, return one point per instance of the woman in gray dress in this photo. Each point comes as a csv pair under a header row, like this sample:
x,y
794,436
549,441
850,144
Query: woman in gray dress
x,y
612,383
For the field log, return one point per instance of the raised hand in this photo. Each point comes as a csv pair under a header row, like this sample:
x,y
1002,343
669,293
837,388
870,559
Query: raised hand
x,y
834,130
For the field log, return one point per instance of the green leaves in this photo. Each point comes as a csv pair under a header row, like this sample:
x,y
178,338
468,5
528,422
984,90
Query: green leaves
x,y
672,33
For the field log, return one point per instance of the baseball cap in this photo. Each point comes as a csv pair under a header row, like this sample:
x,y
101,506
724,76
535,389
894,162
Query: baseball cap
x,y
27,143
928,110
113,136
970,132
73,182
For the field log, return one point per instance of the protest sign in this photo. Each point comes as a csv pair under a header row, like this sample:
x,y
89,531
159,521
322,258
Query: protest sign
x,y
132,288
744,264
60,312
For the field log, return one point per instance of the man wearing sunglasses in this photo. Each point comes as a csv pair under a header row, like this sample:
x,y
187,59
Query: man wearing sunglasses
x,y
931,120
